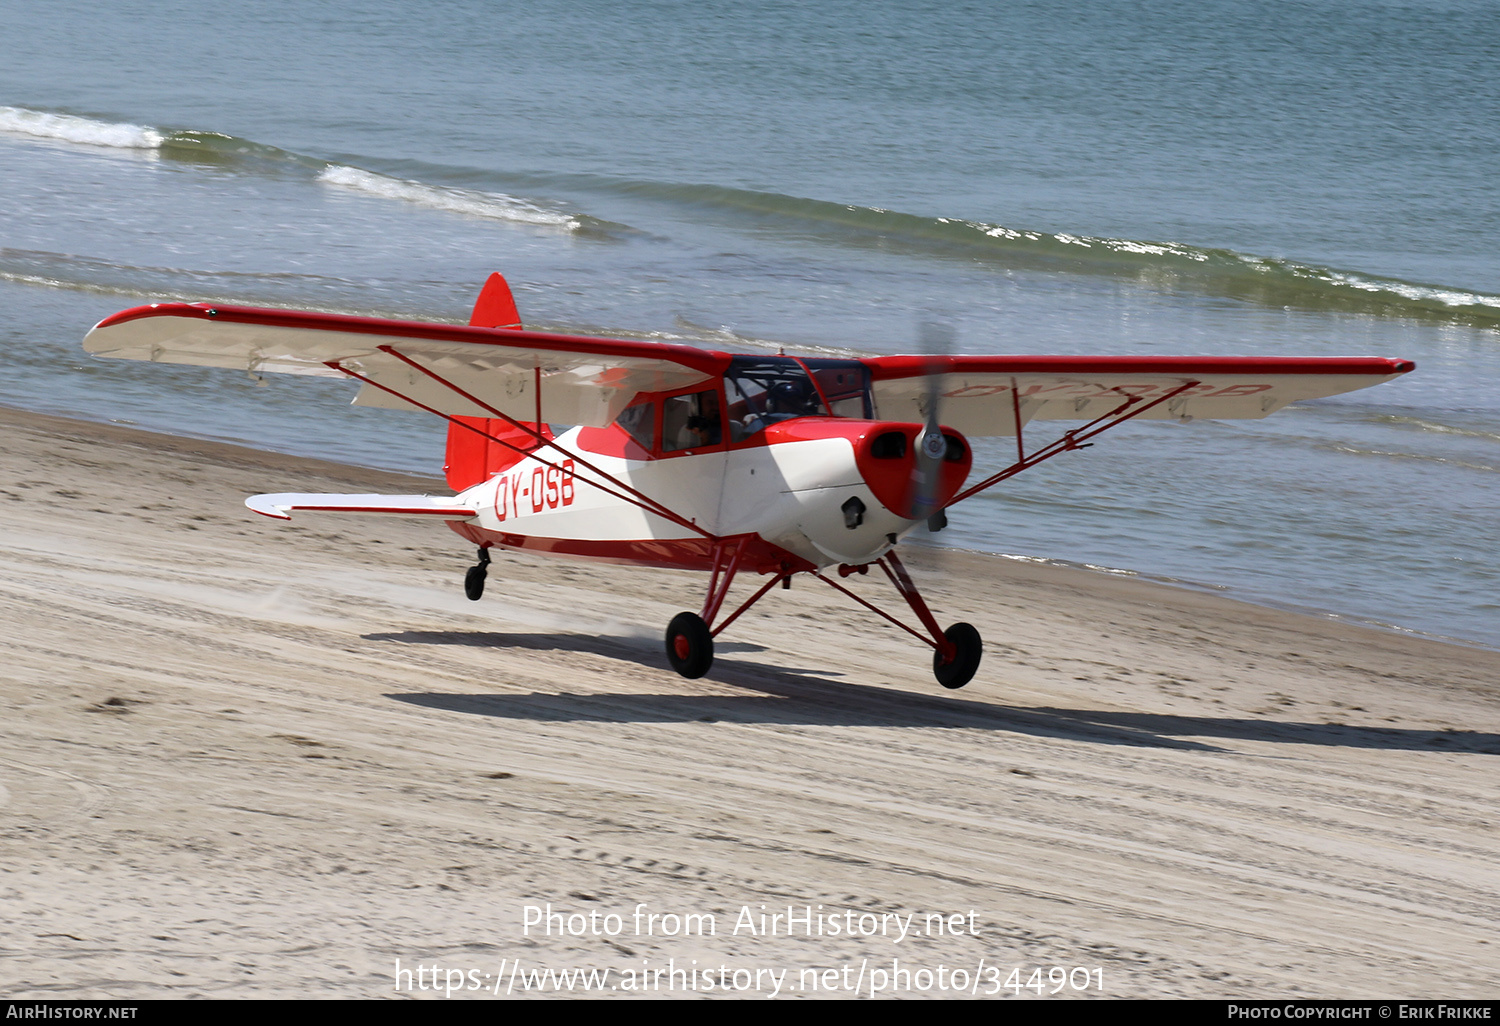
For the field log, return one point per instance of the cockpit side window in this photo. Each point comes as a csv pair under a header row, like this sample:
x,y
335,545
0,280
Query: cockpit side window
x,y
846,386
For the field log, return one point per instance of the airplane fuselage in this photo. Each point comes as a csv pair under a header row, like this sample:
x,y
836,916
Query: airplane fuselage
x,y
808,492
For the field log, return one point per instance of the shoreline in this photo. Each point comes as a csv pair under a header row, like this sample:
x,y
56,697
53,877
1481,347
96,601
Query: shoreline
x,y
406,480
1229,592
244,758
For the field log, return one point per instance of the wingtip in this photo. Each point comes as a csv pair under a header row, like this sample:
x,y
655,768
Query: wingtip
x,y
266,507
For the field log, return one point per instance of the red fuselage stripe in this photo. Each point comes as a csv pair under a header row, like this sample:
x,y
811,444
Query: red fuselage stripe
x,y
671,553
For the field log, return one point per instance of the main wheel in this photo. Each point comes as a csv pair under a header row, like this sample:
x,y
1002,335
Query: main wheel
x,y
474,582
690,645
967,648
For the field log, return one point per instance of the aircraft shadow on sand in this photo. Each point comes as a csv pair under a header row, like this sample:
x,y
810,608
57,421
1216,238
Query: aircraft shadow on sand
x,y
795,696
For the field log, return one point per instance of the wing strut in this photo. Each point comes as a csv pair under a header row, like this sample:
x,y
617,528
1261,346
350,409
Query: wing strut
x,y
718,584
1133,406
634,497
641,499
777,578
728,555
896,571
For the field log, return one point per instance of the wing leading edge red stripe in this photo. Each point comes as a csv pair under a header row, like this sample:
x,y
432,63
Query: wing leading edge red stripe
x,y
886,368
704,360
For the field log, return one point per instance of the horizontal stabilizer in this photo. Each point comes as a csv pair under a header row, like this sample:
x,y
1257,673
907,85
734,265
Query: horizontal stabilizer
x,y
280,506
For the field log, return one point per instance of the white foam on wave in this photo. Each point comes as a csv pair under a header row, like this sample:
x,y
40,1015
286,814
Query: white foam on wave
x,y
1416,293
1425,457
87,286
999,231
437,197
71,128
1436,428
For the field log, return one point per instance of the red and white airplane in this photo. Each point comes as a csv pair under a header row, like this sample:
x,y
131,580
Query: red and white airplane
x,y
702,460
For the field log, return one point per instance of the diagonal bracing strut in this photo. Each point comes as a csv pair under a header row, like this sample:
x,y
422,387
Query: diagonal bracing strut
x,y
896,571
1132,407
624,492
643,500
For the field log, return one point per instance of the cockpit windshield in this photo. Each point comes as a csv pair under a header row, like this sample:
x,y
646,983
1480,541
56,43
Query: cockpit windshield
x,y
762,390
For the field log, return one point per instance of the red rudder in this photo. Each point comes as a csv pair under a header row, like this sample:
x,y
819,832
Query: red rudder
x,y
472,457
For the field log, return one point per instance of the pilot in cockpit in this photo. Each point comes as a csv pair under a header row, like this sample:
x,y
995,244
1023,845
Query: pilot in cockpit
x,y
785,400
788,399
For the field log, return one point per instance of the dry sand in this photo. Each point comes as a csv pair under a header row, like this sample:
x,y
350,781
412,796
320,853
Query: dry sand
x,y
246,758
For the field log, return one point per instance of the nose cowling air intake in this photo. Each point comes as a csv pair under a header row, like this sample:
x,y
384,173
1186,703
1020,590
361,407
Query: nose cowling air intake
x,y
913,476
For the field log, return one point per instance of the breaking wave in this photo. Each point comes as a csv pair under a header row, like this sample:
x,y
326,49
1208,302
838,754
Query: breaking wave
x,y
437,197
216,148
74,129
1164,266
1433,427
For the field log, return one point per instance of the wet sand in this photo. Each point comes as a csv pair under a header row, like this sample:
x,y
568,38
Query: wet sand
x,y
248,758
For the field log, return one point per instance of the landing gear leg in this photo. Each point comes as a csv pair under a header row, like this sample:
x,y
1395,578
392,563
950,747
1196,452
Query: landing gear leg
x,y
690,640
955,658
474,579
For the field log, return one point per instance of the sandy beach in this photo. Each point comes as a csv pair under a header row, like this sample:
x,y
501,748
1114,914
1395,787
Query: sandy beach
x,y
242,758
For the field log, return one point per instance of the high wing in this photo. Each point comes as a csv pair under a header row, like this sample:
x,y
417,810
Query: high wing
x,y
473,371
983,395
451,369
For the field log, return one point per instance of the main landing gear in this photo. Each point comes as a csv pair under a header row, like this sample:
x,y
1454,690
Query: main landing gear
x,y
474,579
959,668
690,638
690,645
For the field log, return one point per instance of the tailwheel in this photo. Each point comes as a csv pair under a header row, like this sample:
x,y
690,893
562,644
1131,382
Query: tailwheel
x,y
961,666
474,579
690,645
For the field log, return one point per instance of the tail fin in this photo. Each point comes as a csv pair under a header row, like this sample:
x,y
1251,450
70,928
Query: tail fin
x,y
473,458
495,307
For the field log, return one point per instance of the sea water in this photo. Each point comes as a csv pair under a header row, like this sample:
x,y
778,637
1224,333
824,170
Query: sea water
x,y
1266,178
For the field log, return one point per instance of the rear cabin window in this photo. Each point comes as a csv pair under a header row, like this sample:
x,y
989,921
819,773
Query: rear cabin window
x,y
690,421
639,422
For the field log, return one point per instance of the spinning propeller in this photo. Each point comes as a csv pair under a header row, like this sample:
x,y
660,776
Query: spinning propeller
x,y
936,341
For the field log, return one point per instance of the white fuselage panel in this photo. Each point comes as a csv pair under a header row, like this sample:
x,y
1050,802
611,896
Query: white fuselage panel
x,y
791,494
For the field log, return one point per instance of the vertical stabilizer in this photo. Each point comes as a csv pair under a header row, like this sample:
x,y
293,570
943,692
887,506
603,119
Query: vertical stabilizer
x,y
495,307
473,458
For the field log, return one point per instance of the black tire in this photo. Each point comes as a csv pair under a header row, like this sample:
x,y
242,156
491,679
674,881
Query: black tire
x,y
474,582
959,670
690,645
